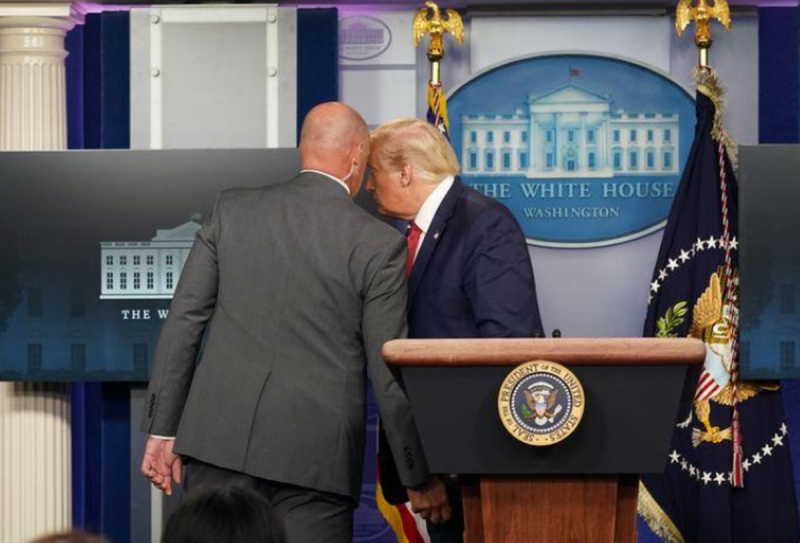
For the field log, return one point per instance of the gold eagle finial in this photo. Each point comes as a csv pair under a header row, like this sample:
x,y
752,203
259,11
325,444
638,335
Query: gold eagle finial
x,y
429,20
702,15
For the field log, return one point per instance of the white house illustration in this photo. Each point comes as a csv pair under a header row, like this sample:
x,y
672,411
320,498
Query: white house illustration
x,y
570,132
140,270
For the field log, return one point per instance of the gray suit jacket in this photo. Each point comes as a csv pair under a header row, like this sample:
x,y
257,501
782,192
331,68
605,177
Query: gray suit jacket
x,y
295,289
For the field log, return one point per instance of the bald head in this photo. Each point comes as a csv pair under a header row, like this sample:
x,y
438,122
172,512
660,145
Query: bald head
x,y
335,140
332,127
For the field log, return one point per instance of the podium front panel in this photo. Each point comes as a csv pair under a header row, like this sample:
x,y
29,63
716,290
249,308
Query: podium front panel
x,y
626,426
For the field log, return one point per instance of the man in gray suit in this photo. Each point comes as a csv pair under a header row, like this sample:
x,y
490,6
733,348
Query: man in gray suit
x,y
295,290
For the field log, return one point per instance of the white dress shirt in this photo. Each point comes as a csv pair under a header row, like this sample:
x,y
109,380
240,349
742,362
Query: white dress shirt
x,y
429,208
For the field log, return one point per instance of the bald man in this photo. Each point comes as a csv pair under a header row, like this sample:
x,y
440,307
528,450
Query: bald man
x,y
295,290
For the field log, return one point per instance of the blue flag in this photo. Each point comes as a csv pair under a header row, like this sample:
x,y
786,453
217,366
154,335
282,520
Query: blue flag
x,y
728,477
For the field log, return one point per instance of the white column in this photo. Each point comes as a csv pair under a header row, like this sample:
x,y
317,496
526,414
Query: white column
x,y
602,143
583,156
533,147
35,439
557,141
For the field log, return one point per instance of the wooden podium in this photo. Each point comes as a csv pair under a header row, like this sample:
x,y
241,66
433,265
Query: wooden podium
x,y
583,489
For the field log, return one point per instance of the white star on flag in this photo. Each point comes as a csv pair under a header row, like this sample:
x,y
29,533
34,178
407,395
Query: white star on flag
x,y
712,243
672,264
662,274
767,450
684,256
756,458
654,286
777,440
675,457
720,478
706,477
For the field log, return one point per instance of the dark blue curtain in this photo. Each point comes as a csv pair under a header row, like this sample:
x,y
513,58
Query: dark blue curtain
x,y
317,59
98,115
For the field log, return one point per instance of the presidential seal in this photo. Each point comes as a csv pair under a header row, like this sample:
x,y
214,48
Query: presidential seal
x,y
541,403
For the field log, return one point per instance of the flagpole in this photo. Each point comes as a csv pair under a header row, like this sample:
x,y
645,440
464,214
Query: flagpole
x,y
435,23
436,73
702,14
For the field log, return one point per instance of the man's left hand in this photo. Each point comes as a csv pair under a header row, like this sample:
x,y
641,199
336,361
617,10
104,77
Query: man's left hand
x,y
431,502
160,465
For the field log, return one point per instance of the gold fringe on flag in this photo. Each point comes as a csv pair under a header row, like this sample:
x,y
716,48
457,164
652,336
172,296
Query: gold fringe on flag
x,y
708,83
655,517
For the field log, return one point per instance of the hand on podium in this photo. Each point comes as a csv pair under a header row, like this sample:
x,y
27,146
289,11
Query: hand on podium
x,y
431,502
160,465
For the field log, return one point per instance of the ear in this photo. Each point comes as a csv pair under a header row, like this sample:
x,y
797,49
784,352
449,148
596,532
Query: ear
x,y
405,175
363,150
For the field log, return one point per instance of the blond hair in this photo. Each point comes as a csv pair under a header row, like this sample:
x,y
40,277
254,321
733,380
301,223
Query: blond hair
x,y
418,144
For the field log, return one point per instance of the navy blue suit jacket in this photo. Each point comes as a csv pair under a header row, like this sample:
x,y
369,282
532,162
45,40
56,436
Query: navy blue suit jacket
x,y
472,278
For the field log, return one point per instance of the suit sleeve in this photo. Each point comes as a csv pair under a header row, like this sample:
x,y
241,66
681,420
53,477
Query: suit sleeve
x,y
178,345
498,278
384,319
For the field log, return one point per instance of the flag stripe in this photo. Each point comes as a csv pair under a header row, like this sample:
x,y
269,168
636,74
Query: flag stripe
x,y
396,516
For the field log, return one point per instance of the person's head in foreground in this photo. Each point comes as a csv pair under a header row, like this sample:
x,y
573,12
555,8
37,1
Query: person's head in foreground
x,y
408,159
71,537
230,515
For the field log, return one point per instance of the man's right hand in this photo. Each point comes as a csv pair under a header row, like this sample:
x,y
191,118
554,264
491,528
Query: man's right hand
x,y
431,501
160,465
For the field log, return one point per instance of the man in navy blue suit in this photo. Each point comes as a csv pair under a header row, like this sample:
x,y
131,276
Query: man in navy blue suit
x,y
469,271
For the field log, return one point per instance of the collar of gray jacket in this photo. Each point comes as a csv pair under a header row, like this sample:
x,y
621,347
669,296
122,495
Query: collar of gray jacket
x,y
322,181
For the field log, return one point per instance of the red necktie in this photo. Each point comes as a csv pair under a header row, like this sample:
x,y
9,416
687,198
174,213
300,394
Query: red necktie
x,y
414,232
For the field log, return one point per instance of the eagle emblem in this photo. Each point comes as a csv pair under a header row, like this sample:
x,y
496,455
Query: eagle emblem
x,y
541,399
702,14
429,20
541,403
712,322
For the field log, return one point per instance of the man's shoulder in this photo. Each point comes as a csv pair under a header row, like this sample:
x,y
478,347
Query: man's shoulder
x,y
476,205
249,194
237,200
371,228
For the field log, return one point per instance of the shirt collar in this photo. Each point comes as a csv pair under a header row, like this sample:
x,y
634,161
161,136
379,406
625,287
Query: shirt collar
x,y
431,205
329,176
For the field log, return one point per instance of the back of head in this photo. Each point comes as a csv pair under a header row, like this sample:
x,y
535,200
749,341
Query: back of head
x,y
231,514
71,537
331,131
417,143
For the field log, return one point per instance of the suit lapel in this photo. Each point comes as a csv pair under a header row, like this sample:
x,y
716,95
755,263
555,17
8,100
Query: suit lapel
x,y
432,237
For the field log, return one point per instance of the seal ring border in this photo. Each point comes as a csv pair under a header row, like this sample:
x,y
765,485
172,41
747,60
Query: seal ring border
x,y
511,382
